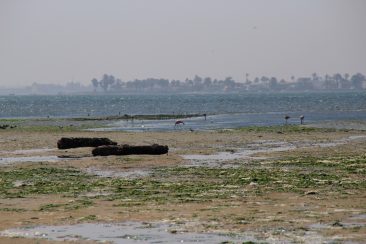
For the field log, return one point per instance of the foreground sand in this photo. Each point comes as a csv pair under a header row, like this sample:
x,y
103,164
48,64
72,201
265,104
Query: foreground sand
x,y
278,195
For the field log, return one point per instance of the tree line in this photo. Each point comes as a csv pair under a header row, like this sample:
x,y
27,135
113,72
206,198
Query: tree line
x,y
108,83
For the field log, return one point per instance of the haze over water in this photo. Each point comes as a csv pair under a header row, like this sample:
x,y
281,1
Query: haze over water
x,y
56,42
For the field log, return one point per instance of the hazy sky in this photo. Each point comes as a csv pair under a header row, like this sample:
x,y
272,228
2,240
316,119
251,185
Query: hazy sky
x,y
50,41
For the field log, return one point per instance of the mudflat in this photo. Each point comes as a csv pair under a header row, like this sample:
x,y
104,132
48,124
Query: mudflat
x,y
266,184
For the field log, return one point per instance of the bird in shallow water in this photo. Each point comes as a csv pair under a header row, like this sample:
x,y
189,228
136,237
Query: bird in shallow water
x,y
302,119
286,118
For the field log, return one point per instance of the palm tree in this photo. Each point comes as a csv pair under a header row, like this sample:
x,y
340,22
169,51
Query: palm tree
x,y
346,76
95,83
293,78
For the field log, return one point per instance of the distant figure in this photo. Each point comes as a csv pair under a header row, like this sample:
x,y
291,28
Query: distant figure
x,y
205,115
178,122
302,119
191,130
286,118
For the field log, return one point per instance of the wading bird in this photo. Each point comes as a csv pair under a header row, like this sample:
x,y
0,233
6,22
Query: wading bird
x,y
302,119
286,118
178,123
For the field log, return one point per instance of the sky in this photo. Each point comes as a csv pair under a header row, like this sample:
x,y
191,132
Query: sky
x,y
49,41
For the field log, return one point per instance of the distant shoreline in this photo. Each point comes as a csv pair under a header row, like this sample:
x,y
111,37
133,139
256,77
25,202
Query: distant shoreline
x,y
161,93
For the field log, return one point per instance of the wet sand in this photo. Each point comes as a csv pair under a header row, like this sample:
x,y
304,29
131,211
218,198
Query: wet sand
x,y
293,186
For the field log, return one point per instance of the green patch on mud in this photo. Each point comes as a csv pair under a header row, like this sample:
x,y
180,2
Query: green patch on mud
x,y
15,120
12,210
189,184
349,164
41,180
88,218
71,205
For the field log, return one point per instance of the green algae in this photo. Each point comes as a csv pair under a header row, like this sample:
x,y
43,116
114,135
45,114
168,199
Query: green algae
x,y
190,184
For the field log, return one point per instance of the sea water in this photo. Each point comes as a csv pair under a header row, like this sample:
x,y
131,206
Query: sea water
x,y
223,110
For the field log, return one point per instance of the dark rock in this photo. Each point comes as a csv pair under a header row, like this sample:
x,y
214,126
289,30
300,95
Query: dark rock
x,y
74,142
154,149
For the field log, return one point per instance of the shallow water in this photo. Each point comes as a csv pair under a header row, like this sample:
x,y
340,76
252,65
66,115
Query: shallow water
x,y
125,233
165,232
227,121
244,153
220,159
342,224
248,153
29,151
224,110
10,160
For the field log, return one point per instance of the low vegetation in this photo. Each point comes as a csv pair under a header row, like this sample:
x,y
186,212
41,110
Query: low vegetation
x,y
198,184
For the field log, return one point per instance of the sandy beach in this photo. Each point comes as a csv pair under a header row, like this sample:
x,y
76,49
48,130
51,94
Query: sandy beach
x,y
260,184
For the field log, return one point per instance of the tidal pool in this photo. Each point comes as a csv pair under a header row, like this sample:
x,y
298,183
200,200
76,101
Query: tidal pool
x,y
250,150
125,233
10,160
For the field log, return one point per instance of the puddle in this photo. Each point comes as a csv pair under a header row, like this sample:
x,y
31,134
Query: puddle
x,y
29,151
35,158
130,174
359,217
355,221
246,153
320,226
124,233
335,142
357,137
260,147
10,160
